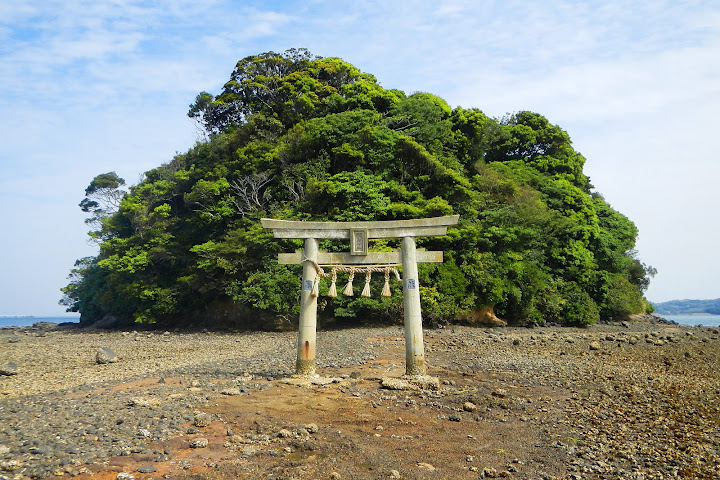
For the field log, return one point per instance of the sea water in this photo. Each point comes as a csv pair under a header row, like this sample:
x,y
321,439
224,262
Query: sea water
x,y
28,321
695,319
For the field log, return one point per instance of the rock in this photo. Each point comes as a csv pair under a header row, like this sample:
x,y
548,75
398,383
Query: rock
x,y
4,449
199,443
499,392
469,407
594,345
202,419
125,476
284,433
455,417
396,384
8,369
419,382
144,402
489,473
394,474
311,428
105,355
484,316
14,339
426,466
232,391
108,321
147,469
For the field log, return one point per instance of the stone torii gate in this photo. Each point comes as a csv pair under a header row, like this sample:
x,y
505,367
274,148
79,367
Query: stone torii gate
x,y
359,233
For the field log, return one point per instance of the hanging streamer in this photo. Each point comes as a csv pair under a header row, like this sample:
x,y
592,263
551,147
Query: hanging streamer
x,y
349,287
386,288
332,291
366,290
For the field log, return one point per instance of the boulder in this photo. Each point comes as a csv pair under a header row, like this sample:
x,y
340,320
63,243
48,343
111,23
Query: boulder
x,y
105,355
8,369
484,316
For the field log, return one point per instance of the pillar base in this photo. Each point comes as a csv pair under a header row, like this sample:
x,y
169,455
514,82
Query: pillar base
x,y
304,367
416,368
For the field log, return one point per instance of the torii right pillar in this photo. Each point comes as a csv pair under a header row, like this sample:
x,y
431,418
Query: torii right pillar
x,y
414,346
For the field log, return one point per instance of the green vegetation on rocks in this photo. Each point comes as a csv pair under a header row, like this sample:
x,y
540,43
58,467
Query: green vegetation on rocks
x,y
295,136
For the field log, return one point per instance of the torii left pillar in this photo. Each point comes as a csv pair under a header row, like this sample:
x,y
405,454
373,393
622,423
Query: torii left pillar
x,y
307,331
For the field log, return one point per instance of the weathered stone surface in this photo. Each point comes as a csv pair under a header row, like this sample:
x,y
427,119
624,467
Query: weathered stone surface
x,y
199,443
202,419
484,316
105,355
9,369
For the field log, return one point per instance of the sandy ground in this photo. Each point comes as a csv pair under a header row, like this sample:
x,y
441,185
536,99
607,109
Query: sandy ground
x,y
635,401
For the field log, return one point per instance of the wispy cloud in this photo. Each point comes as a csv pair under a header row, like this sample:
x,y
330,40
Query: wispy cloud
x,y
94,86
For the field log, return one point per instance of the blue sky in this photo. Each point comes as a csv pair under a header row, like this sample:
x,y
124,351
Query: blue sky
x,y
96,86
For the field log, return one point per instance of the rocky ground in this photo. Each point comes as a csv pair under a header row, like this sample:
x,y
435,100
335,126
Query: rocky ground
x,y
633,400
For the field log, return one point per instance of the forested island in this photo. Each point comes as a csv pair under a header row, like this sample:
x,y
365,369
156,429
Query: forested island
x,y
297,136
688,307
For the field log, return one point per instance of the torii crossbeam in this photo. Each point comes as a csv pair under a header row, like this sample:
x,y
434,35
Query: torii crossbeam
x,y
359,233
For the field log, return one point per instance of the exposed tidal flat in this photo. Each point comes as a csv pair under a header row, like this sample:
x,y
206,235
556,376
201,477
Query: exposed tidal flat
x,y
631,400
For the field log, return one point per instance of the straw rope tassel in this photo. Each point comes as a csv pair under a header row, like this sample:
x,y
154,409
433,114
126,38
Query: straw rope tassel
x,y
366,290
386,288
349,287
332,291
316,287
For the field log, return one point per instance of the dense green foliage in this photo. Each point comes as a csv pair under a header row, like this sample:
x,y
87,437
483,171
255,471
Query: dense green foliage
x,y
294,136
685,307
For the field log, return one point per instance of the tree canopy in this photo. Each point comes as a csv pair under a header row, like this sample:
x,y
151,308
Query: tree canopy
x,y
296,136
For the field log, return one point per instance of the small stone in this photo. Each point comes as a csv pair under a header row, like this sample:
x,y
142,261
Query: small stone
x,y
199,443
426,466
14,339
499,392
594,345
516,341
284,433
105,355
231,391
455,417
202,419
469,407
394,474
147,469
4,449
144,402
248,451
125,476
335,476
9,369
489,473
311,428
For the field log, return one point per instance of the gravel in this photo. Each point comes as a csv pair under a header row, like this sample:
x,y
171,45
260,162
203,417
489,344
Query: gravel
x,y
636,401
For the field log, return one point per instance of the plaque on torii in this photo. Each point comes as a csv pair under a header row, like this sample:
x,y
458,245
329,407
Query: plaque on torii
x,y
358,233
